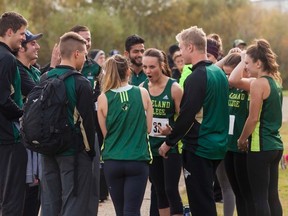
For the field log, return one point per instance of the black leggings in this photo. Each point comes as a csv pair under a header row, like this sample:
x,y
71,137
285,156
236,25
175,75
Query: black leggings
x,y
263,177
165,175
236,169
126,181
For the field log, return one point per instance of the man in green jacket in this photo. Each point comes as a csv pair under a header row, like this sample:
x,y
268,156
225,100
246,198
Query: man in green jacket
x,y
13,156
204,139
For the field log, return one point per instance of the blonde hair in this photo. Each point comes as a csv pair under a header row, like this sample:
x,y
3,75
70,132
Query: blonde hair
x,y
115,68
261,50
195,36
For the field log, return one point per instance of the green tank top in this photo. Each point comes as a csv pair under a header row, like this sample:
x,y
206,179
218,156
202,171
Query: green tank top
x,y
238,113
127,137
163,113
266,135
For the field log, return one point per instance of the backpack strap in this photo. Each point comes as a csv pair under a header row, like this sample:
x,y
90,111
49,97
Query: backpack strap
x,y
68,74
44,76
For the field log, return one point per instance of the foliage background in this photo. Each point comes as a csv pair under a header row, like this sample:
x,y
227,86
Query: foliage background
x,y
157,21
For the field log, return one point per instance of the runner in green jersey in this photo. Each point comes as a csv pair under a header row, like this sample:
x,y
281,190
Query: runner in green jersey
x,y
125,118
236,160
260,135
166,95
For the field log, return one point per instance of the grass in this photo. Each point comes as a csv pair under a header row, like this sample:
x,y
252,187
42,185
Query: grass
x,y
283,178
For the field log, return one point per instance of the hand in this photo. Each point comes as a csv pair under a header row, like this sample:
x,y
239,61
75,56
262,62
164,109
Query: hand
x,y
234,50
242,145
164,148
55,57
243,53
166,130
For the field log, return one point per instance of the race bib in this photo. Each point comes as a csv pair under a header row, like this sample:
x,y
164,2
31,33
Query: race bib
x,y
162,122
231,124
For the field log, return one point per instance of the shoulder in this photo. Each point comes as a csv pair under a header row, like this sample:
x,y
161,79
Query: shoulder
x,y
8,60
260,82
20,66
176,87
102,100
102,97
80,77
259,86
143,91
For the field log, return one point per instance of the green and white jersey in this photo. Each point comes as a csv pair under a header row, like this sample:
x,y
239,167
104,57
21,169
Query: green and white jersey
x,y
266,135
163,113
126,137
238,113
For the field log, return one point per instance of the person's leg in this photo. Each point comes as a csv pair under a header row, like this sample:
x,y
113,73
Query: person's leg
x,y
199,174
75,204
273,199
103,189
241,173
136,173
153,203
227,192
231,169
32,201
156,172
51,189
218,196
95,187
13,160
172,172
258,166
32,198
115,178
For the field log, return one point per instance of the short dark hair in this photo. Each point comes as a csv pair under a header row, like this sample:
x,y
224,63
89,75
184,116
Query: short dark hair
x,y
11,20
132,40
79,28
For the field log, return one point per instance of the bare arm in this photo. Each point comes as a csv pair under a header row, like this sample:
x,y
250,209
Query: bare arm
x,y
102,113
223,60
257,95
177,94
236,78
148,108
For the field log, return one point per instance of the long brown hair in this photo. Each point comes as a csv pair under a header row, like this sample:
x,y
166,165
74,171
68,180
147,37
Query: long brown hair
x,y
162,59
261,50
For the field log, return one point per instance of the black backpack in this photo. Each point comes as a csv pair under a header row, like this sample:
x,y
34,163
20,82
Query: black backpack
x,y
44,125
